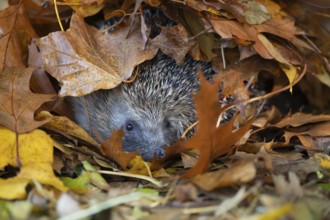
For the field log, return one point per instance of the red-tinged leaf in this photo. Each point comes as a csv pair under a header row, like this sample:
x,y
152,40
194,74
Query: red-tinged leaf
x,y
229,29
15,34
17,103
112,148
210,141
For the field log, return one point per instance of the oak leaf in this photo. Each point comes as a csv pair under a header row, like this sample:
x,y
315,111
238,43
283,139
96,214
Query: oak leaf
x,y
17,103
209,140
85,59
112,148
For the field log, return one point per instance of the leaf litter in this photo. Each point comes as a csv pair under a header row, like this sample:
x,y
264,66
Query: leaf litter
x,y
234,170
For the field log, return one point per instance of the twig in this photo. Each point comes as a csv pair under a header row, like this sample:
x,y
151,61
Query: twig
x,y
268,95
58,15
137,176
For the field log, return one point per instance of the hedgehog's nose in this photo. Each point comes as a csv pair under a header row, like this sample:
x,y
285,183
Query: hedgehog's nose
x,y
159,153
148,154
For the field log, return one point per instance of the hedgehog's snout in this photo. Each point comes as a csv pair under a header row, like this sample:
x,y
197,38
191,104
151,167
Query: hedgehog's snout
x,y
157,153
147,153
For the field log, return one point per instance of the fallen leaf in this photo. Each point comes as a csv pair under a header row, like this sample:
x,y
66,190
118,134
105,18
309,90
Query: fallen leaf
x,y
172,45
65,125
292,73
39,82
207,41
272,50
17,103
112,148
138,166
85,59
284,28
323,160
228,29
36,156
15,34
186,192
86,8
96,178
239,173
255,13
299,119
209,140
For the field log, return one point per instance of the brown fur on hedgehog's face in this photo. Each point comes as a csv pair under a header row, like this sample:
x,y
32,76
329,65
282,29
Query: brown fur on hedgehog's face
x,y
149,137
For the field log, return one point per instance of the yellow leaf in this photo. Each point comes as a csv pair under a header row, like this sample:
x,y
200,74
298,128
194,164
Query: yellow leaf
x,y
13,188
276,213
66,126
138,166
323,160
36,156
85,9
291,73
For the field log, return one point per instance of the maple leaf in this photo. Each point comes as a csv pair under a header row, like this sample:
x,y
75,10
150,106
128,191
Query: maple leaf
x,y
209,140
85,59
36,156
17,102
15,34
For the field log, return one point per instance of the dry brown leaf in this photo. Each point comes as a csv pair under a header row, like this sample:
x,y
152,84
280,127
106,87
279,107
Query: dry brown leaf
x,y
85,59
252,32
112,148
40,82
17,103
299,119
319,130
229,29
239,173
15,34
174,42
308,134
280,27
64,125
186,192
211,142
188,160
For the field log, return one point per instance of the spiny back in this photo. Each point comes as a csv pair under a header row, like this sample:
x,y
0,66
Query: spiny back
x,y
153,110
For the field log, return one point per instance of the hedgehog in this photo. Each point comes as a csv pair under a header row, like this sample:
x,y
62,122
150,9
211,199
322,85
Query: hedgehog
x,y
153,110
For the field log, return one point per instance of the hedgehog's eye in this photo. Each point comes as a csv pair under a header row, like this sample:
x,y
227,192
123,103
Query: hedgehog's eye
x,y
129,127
168,124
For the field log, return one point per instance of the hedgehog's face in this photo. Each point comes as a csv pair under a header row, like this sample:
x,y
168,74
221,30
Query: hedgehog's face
x,y
149,137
